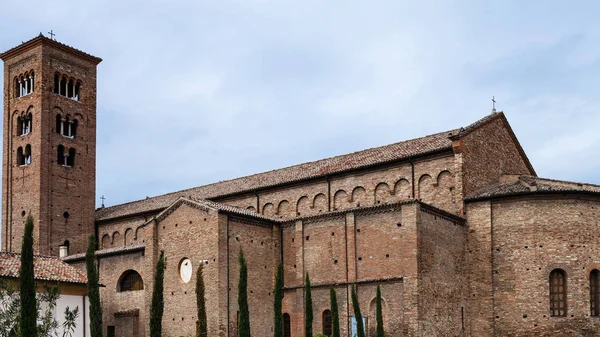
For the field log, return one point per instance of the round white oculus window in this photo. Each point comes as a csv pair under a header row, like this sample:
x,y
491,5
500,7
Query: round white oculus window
x,y
185,270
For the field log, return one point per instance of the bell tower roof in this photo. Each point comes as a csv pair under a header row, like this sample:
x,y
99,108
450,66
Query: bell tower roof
x,y
42,40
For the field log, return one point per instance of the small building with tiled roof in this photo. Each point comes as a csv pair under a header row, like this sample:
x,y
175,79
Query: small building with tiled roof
x,y
51,271
456,228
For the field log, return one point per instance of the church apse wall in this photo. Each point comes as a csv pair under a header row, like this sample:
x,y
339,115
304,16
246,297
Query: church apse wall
x,y
532,237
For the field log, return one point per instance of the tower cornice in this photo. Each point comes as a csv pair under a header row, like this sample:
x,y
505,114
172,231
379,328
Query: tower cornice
x,y
42,40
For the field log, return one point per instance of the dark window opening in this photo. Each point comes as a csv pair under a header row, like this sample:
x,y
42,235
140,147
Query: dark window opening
x,y
24,156
20,157
594,293
60,158
327,324
63,86
131,281
287,325
24,125
71,89
110,331
558,293
70,158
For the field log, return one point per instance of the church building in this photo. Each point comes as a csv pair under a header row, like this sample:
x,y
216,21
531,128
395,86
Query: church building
x,y
456,227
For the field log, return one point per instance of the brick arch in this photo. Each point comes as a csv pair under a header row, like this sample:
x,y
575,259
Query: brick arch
x,y
320,203
139,234
105,242
402,189
444,191
359,196
268,209
373,313
116,239
129,237
425,188
303,206
383,193
285,209
340,200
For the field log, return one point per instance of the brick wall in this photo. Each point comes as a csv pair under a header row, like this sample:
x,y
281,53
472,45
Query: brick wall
x,y
488,152
442,277
531,237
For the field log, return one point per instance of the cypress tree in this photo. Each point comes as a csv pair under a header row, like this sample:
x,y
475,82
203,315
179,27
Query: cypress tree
x,y
28,319
157,307
357,315
379,315
244,324
93,288
277,305
335,317
201,325
308,311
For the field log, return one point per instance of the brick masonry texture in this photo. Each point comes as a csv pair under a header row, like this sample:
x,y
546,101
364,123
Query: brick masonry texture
x,y
455,227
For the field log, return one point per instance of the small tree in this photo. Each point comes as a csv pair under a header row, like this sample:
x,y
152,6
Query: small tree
x,y
244,328
308,311
201,325
379,315
335,316
357,315
29,309
157,307
277,302
93,288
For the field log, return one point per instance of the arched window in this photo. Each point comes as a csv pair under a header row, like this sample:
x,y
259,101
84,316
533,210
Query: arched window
x,y
71,89
594,293
130,281
63,86
20,157
27,155
60,158
327,324
24,125
77,91
70,158
558,293
31,82
287,325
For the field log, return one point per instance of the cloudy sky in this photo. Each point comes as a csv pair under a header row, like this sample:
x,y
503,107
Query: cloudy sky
x,y
192,92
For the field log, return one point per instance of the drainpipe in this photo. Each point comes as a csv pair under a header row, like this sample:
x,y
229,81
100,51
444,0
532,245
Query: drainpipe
x,y
412,166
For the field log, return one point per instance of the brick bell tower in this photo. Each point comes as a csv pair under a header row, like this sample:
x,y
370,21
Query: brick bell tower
x,y
49,153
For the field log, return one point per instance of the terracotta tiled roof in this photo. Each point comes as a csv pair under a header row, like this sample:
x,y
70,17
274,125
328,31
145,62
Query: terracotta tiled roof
x,y
45,268
106,252
42,39
522,185
320,168
316,169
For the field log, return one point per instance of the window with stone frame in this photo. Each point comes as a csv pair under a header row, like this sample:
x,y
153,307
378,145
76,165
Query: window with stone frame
x,y
67,87
66,126
24,84
558,293
24,124
24,155
594,293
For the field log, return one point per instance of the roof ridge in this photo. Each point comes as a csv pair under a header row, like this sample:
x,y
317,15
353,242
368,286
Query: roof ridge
x,y
281,168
